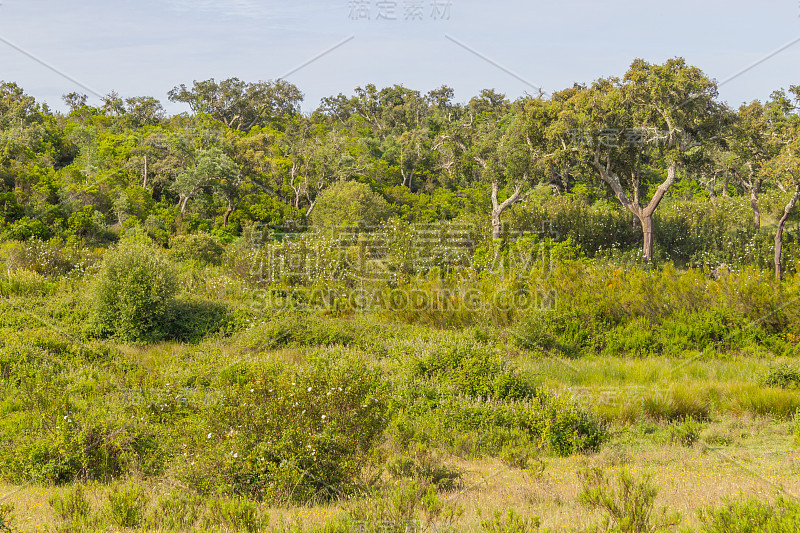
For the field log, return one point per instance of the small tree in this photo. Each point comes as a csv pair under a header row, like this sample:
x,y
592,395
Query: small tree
x,y
348,202
133,291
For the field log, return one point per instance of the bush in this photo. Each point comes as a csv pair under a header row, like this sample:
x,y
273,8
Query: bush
x,y
685,432
511,523
298,329
348,202
200,247
26,228
72,505
751,516
290,434
133,291
628,506
425,466
474,371
125,505
237,514
783,377
192,319
176,510
410,506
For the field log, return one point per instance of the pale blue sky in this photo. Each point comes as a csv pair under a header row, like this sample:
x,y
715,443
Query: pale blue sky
x,y
145,47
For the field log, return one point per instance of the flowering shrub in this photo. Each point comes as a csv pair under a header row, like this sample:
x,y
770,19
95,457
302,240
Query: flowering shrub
x,y
290,434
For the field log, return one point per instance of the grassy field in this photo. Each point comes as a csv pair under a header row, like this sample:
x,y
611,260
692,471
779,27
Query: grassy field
x,y
572,418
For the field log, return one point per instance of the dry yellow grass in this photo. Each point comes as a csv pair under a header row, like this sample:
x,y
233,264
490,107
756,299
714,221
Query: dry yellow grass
x,y
760,461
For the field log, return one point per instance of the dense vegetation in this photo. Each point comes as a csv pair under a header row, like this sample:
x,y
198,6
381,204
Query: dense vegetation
x,y
209,318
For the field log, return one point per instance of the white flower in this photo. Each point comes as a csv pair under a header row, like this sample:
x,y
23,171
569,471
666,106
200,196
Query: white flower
x,y
209,436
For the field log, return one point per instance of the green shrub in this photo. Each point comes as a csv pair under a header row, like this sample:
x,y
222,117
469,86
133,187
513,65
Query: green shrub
x,y
510,523
637,338
125,505
783,376
628,504
474,371
200,247
425,465
176,510
26,228
236,514
6,517
348,202
567,332
299,329
751,516
26,284
685,432
72,505
189,320
133,291
701,330
298,433
410,506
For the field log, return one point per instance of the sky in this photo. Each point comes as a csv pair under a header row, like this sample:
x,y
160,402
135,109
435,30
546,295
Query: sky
x,y
147,47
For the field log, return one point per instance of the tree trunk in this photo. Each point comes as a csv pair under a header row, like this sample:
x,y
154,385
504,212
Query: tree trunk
x,y
498,208
227,215
496,225
779,234
311,208
184,199
647,232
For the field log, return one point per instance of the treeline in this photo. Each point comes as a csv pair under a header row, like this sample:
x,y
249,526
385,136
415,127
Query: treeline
x,y
650,165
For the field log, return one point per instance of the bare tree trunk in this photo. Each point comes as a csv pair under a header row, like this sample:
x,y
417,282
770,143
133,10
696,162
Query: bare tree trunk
x,y
779,234
498,208
647,232
144,174
227,215
184,199
311,208
497,227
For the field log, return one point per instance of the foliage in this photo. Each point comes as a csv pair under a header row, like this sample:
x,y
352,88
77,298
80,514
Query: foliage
x,y
685,432
407,505
349,203
125,504
510,523
305,436
72,505
236,514
133,291
200,247
750,516
628,503
784,377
